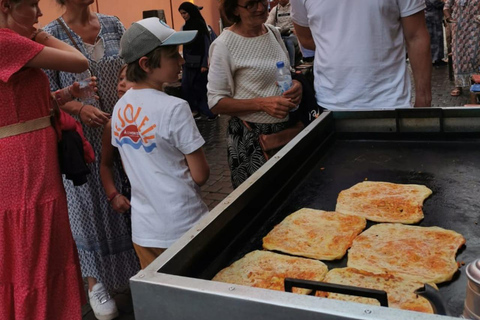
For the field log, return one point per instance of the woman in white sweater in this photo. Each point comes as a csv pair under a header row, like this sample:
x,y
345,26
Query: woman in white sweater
x,y
242,84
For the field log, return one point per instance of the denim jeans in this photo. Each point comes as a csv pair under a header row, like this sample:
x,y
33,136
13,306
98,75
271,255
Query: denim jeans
x,y
290,42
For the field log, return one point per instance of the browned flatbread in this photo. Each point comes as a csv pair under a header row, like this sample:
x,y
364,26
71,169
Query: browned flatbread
x,y
315,234
384,201
423,253
264,269
400,291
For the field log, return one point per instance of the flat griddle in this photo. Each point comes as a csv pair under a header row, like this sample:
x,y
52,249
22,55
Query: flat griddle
x,y
450,169
436,148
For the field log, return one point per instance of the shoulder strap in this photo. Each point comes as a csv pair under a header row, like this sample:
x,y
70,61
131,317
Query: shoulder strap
x,y
274,31
277,36
276,14
69,34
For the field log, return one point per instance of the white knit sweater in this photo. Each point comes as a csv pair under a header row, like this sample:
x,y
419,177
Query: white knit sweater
x,y
244,68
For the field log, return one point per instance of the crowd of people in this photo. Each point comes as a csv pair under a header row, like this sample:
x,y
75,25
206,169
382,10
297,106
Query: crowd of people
x,y
54,230
142,192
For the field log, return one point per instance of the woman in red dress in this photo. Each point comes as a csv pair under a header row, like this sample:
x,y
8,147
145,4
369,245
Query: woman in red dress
x,y
39,269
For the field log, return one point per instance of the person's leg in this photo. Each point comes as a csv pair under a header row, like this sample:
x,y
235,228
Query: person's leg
x,y
91,282
290,44
147,255
458,56
187,85
200,93
102,304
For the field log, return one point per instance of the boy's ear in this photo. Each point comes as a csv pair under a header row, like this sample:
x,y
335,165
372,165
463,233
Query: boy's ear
x,y
143,63
4,5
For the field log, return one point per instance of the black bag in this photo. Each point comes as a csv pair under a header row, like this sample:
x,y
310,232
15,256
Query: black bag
x,y
308,109
71,155
285,33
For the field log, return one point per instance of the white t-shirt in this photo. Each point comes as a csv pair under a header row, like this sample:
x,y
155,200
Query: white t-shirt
x,y
153,131
360,51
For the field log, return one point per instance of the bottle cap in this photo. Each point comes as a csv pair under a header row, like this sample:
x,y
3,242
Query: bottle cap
x,y
473,271
280,64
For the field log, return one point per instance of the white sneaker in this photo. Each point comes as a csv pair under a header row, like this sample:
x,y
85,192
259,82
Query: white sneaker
x,y
102,304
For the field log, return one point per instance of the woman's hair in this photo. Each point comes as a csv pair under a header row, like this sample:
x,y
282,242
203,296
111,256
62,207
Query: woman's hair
x,y
121,70
196,21
228,8
136,74
61,2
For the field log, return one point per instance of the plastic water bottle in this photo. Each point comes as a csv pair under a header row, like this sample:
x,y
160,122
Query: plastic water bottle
x,y
284,79
87,93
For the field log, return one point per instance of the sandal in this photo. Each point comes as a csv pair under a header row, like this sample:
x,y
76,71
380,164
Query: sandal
x,y
456,92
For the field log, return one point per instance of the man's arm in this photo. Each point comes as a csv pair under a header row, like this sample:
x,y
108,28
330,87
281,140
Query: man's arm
x,y
418,48
304,35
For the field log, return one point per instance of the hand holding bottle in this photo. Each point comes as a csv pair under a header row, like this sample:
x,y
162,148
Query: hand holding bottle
x,y
294,94
82,91
284,81
85,90
88,113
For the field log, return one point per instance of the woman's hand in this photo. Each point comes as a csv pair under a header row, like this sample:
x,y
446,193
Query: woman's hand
x,y
92,116
277,106
203,69
294,93
120,203
77,92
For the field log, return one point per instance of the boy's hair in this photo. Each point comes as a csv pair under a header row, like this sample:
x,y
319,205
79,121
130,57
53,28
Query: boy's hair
x,y
136,74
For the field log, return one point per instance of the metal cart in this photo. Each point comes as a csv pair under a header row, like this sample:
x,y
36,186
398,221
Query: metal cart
x,y
439,148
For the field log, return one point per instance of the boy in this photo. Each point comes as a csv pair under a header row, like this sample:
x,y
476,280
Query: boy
x,y
158,140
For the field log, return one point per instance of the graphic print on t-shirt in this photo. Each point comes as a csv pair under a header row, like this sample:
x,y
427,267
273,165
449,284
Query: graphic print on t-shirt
x,y
133,129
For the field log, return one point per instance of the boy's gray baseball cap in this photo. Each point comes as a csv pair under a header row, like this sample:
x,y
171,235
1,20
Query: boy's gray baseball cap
x,y
145,35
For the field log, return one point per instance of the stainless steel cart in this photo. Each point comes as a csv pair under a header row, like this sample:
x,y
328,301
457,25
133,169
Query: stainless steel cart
x,y
439,148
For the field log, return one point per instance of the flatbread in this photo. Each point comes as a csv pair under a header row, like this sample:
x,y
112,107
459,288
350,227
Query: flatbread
x,y
315,234
400,291
264,269
424,253
384,201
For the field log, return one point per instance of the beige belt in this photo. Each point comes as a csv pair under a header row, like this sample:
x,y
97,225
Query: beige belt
x,y
24,127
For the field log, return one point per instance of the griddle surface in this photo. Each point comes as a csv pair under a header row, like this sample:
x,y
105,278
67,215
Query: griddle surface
x,y
450,169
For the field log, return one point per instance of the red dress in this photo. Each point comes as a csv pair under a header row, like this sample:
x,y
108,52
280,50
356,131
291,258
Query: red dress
x,y
39,268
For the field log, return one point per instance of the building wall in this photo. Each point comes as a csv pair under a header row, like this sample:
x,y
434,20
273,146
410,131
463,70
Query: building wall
x,y
130,11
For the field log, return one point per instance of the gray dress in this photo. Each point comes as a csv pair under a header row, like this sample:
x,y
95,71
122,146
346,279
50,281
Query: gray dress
x,y
102,236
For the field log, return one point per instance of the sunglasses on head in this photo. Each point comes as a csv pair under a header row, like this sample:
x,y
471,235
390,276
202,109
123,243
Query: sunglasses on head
x,y
253,5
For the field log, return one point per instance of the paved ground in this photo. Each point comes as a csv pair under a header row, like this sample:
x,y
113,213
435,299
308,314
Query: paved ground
x,y
219,186
441,87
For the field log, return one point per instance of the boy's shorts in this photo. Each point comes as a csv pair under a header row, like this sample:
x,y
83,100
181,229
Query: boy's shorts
x,y
147,255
